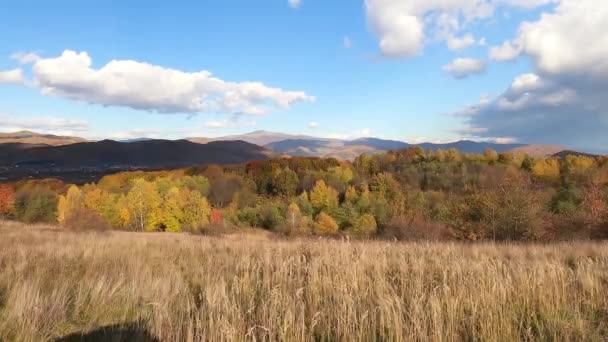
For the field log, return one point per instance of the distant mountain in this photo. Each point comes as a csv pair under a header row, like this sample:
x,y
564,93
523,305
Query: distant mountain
x,y
538,151
142,154
380,144
27,137
350,149
566,153
468,146
136,140
260,138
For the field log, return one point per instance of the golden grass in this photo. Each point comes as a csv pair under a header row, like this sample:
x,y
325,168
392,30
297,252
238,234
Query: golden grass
x,y
178,287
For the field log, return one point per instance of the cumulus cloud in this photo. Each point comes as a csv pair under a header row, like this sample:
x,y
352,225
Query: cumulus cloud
x,y
12,76
455,43
465,67
403,27
41,124
294,3
563,101
505,52
144,86
313,124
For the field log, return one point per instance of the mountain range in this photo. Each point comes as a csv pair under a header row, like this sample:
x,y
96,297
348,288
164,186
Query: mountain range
x,y
139,154
27,137
305,145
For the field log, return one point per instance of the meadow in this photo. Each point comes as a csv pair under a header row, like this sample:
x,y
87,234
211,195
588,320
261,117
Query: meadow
x,y
58,285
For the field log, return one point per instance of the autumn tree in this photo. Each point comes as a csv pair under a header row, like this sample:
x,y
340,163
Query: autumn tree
x,y
294,217
365,226
284,182
323,197
36,205
7,200
325,225
144,204
196,209
69,205
491,155
547,169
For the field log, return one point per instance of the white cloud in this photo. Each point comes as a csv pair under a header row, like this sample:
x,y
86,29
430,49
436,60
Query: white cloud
x,y
347,43
294,3
465,67
403,27
570,40
361,133
525,83
144,86
12,76
313,124
455,43
505,52
25,57
11,123
482,42
564,100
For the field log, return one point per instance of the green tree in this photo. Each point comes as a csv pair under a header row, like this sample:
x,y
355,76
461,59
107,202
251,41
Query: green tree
x,y
365,226
284,182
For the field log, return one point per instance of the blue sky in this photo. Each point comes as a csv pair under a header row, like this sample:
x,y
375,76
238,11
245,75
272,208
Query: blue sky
x,y
321,85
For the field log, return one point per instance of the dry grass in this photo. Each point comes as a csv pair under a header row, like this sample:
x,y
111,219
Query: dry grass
x,y
177,287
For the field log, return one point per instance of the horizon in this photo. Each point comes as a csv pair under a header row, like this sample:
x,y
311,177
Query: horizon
x,y
413,71
262,131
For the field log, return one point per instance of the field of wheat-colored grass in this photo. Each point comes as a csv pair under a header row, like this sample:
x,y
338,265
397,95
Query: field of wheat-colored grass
x,y
63,286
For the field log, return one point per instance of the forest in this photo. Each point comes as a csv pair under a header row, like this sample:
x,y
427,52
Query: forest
x,y
410,194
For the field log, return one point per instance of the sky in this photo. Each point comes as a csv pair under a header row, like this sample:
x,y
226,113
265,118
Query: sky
x,y
527,71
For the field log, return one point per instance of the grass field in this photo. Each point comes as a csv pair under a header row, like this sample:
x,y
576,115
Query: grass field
x,y
63,286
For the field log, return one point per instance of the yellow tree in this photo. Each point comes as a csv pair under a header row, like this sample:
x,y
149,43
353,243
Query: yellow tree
x,y
69,204
144,204
351,195
294,217
325,225
547,168
93,199
323,197
172,213
196,209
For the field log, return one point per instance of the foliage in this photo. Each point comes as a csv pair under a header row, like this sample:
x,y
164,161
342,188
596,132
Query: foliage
x,y
409,194
7,200
325,225
35,205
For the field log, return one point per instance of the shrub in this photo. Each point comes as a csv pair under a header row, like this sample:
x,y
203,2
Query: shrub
x,y
37,205
365,226
325,225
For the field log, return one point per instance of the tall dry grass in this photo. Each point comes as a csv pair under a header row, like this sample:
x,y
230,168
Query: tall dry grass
x,y
250,287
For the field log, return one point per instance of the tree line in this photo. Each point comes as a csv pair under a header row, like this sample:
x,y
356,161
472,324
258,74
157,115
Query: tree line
x,y
407,194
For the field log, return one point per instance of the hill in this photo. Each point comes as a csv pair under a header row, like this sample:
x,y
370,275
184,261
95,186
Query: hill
x,y
84,161
27,137
539,150
566,153
260,138
348,150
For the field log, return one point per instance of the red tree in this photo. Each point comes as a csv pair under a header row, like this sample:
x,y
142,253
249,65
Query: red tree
x,y
7,199
216,216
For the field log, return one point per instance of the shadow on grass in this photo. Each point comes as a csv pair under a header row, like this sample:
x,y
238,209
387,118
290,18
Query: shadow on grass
x,y
113,333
